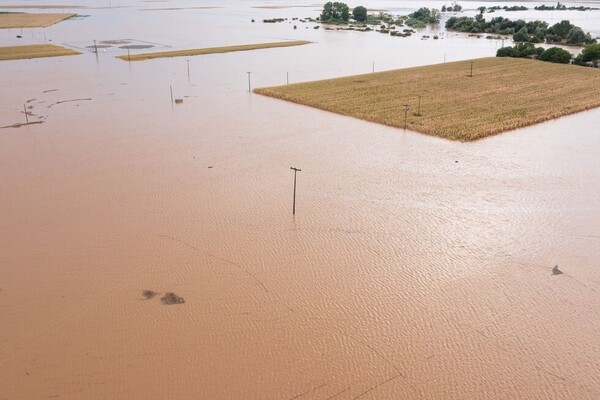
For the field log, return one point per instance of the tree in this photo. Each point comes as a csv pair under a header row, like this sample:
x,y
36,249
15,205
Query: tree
x,y
426,16
359,13
561,28
556,55
575,36
335,12
590,53
481,9
521,35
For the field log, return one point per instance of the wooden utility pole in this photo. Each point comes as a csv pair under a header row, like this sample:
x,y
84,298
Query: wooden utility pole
x,y
406,108
249,88
26,117
188,65
471,75
171,87
296,170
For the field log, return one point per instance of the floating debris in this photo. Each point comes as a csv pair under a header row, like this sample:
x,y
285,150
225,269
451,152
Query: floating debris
x,y
149,294
171,298
556,271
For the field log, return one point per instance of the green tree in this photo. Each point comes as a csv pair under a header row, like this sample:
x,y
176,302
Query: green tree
x,y
359,13
556,55
576,36
335,12
561,28
590,53
521,35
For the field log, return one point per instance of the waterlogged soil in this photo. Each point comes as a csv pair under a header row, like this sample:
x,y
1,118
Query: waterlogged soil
x,y
415,267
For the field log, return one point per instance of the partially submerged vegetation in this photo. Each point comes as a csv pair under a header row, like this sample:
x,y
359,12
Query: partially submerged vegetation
x,y
534,31
211,50
337,13
561,7
34,51
23,20
503,94
558,7
590,56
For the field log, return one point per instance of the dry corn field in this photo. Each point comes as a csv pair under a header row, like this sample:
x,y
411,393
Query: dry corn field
x,y
503,94
10,20
211,50
34,51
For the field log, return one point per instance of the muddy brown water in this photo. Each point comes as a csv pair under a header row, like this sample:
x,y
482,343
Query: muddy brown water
x,y
415,267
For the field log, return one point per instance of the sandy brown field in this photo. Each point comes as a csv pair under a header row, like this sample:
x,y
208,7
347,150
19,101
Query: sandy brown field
x,y
8,21
42,6
34,51
503,94
211,50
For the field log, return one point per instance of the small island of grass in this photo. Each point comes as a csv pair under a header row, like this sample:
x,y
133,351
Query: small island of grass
x,y
22,20
503,94
211,50
34,51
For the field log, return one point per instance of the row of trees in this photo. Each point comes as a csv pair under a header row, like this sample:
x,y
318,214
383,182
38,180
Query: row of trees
x,y
589,55
524,50
337,13
533,32
454,7
424,16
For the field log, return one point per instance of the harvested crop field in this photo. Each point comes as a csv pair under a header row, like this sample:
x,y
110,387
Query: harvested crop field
x,y
34,51
15,20
211,50
503,94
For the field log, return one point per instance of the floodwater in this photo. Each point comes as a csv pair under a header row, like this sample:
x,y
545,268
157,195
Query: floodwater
x,y
415,267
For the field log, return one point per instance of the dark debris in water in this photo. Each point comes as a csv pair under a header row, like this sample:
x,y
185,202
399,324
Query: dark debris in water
x,y
556,271
171,298
149,294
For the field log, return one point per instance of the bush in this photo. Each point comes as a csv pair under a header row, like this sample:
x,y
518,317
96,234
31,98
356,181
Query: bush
x,y
556,55
359,13
507,52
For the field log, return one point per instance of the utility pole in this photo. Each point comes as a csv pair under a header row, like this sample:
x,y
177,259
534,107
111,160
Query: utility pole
x,y
249,88
188,66
406,108
27,118
171,87
296,170
471,75
373,66
287,78
418,114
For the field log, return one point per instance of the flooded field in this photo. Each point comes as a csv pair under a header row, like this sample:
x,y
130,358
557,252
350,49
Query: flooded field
x,y
148,249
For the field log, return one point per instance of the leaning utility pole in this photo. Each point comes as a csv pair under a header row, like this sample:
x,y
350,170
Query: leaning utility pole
x,y
296,170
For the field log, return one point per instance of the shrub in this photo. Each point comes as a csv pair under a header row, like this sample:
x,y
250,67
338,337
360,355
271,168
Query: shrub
x,y
556,55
